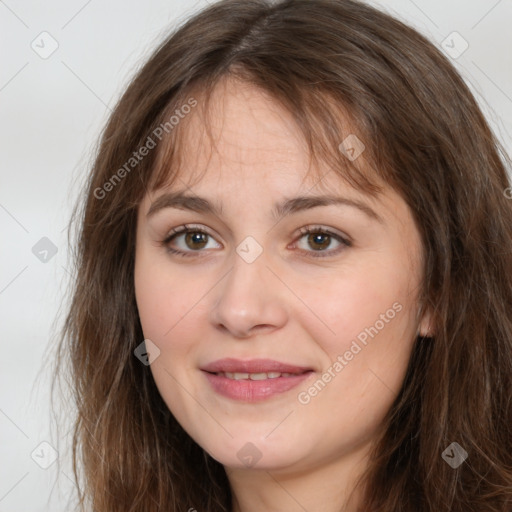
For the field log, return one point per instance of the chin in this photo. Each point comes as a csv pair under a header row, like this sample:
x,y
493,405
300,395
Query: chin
x,y
253,454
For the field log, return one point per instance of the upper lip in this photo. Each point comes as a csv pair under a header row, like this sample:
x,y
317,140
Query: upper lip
x,y
252,366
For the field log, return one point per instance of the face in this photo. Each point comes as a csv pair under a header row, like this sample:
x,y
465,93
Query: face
x,y
279,348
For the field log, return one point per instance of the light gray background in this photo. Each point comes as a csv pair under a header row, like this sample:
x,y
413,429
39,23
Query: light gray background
x,y
51,113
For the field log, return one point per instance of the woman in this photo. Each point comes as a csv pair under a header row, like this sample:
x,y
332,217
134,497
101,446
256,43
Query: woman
x,y
294,275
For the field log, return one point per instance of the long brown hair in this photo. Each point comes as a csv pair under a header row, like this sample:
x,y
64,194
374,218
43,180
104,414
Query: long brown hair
x,y
425,136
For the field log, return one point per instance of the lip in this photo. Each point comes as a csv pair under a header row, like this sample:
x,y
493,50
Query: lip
x,y
253,390
252,366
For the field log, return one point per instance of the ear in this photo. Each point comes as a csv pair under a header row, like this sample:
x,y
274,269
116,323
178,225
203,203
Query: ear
x,y
426,326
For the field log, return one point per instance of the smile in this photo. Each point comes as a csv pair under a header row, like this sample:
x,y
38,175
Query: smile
x,y
254,387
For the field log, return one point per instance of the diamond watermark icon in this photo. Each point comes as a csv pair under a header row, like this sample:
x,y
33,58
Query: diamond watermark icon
x,y
44,455
352,147
454,455
249,249
454,45
44,250
147,352
249,455
44,45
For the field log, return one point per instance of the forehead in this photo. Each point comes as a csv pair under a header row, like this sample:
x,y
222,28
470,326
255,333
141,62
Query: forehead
x,y
244,136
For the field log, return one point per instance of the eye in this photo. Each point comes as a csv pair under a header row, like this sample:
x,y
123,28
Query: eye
x,y
194,239
319,238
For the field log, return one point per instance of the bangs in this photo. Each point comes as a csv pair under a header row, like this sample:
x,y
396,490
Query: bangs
x,y
331,134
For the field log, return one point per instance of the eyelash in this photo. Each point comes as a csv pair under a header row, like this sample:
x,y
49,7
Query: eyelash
x,y
303,231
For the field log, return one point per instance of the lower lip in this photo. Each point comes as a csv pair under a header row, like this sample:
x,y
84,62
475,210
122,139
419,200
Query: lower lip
x,y
247,390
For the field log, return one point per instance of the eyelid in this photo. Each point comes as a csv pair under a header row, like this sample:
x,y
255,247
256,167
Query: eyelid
x,y
184,228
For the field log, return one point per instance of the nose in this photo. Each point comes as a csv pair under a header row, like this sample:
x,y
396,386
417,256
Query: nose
x,y
250,300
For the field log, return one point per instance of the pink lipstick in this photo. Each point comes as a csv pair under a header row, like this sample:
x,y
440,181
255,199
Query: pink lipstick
x,y
253,380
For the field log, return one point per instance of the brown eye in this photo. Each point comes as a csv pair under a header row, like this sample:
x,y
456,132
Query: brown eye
x,y
196,239
319,239
187,240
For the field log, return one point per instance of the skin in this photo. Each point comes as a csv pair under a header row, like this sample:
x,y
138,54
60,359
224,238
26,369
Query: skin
x,y
286,305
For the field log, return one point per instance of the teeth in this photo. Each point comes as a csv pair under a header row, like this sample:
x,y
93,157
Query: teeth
x,y
254,376
237,376
258,376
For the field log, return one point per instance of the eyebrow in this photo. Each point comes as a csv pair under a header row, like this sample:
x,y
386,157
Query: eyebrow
x,y
182,201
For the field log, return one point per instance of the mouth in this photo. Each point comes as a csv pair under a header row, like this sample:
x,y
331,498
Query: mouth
x,y
254,380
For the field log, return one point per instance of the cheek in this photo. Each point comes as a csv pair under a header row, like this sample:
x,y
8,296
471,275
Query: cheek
x,y
355,304
166,307
164,299
366,333
154,304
